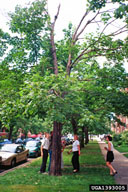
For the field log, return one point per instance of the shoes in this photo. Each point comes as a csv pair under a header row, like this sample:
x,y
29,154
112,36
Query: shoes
x,y
75,171
45,173
114,173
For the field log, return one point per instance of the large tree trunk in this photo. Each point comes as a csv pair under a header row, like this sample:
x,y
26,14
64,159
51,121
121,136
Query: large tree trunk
x,y
82,138
55,168
86,135
10,132
74,125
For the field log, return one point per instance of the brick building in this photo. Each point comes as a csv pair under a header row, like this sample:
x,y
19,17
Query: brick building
x,y
117,127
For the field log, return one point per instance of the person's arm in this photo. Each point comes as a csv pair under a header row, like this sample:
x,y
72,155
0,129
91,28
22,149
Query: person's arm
x,y
109,146
78,149
69,151
41,149
106,148
63,147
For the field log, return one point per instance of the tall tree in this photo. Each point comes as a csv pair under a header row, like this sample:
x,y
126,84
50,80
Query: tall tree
x,y
71,81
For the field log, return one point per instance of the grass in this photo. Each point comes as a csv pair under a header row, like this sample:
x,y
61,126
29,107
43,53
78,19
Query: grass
x,y
92,171
122,148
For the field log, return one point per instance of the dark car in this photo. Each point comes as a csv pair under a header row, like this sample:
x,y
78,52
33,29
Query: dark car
x,y
34,148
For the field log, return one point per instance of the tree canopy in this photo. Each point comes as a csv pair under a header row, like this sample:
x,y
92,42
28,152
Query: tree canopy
x,y
79,77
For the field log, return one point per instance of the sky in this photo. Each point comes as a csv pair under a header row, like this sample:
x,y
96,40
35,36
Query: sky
x,y
70,11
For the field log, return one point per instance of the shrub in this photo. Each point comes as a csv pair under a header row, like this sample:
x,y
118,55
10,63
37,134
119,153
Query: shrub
x,y
117,138
125,137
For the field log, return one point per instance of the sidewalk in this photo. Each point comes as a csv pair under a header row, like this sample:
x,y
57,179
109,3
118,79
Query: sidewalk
x,y
120,163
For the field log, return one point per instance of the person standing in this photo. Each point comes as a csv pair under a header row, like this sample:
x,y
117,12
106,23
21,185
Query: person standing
x,y
44,153
63,144
110,156
76,153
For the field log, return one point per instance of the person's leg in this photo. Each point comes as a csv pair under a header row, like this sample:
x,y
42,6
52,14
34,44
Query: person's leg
x,y
41,168
112,170
77,162
45,152
73,161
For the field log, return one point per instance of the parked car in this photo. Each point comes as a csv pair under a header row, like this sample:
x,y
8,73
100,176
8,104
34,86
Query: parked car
x,y
67,140
4,141
12,154
26,140
34,148
19,141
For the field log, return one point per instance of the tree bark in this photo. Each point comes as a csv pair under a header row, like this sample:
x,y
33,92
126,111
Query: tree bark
x,y
74,125
82,138
10,132
55,168
86,135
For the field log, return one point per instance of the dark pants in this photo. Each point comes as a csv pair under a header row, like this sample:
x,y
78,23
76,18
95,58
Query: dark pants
x,y
44,161
75,160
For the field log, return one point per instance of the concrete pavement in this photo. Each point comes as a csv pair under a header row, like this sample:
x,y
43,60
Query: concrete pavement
x,y
120,163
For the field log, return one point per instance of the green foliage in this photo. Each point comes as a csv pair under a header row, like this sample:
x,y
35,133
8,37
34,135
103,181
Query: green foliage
x,y
30,92
121,139
27,44
125,137
117,137
120,12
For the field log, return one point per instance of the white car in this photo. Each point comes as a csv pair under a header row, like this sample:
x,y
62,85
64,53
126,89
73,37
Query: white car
x,y
12,154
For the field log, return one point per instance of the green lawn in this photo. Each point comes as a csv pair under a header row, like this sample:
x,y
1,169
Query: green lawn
x,y
122,148
92,171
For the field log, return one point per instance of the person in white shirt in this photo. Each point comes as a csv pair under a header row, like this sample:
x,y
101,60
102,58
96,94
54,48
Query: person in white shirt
x,y
110,156
76,152
44,153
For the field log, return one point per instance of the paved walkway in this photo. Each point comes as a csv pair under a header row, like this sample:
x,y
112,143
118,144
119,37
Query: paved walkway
x,y
120,163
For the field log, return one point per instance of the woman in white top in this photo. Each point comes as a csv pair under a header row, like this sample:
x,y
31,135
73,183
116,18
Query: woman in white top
x,y
110,156
44,153
76,152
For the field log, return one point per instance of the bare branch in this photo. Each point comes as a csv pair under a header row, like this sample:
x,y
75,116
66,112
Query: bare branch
x,y
74,36
74,39
68,64
56,16
88,22
53,43
107,26
119,31
91,50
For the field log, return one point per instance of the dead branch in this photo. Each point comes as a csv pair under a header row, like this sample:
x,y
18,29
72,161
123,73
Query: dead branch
x,y
119,31
88,22
107,26
91,50
53,43
74,36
